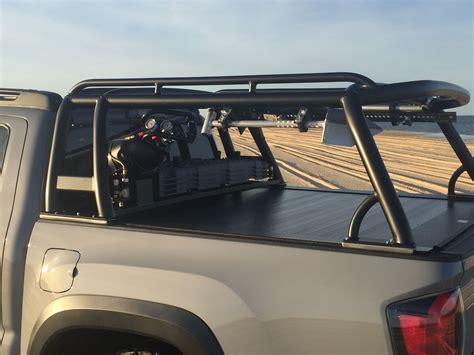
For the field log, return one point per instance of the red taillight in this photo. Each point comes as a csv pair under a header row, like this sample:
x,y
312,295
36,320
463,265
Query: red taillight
x,y
427,326
414,333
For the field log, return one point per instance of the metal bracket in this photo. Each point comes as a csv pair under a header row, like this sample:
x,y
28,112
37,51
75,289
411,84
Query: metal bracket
x,y
301,119
392,110
224,119
375,246
157,88
358,216
207,124
407,121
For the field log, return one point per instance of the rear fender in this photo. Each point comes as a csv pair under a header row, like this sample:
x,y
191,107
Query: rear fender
x,y
175,326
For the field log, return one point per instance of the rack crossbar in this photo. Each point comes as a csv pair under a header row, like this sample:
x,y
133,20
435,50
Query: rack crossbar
x,y
251,80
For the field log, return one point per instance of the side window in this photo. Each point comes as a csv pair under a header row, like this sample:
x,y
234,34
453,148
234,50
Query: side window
x,y
4,133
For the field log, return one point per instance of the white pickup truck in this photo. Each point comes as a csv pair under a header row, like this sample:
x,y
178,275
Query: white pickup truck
x,y
130,224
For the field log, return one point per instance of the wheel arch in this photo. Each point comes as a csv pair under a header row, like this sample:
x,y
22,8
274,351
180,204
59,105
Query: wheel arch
x,y
175,326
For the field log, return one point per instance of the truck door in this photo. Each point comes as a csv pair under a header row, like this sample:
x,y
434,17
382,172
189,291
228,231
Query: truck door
x,y
12,139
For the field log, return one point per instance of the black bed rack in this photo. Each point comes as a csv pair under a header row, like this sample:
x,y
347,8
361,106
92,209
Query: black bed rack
x,y
425,96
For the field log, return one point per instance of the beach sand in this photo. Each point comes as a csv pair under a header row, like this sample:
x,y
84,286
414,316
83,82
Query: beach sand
x,y
416,163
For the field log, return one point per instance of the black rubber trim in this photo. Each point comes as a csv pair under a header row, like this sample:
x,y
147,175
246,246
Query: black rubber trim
x,y
175,326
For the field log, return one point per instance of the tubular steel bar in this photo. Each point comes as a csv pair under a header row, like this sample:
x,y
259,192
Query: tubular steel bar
x,y
452,186
322,99
359,214
266,124
105,208
450,96
446,95
267,155
377,171
251,80
61,127
227,143
454,178
459,147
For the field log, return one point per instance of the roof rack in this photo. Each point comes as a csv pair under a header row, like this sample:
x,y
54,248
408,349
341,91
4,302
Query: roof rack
x,y
424,98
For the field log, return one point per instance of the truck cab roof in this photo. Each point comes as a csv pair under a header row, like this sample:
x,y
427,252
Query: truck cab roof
x,y
44,100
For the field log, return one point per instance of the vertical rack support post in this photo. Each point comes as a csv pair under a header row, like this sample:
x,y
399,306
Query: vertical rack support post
x,y
58,146
267,155
378,174
100,167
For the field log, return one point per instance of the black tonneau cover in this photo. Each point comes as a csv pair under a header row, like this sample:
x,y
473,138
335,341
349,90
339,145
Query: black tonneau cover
x,y
308,215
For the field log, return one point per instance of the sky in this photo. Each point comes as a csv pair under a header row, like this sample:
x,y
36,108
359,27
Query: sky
x,y
51,45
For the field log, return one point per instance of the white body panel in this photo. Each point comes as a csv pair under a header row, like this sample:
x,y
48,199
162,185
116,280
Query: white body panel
x,y
256,298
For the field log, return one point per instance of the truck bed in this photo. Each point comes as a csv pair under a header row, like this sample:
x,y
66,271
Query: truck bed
x,y
307,215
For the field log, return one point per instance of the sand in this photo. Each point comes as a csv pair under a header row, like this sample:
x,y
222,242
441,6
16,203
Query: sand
x,y
416,163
